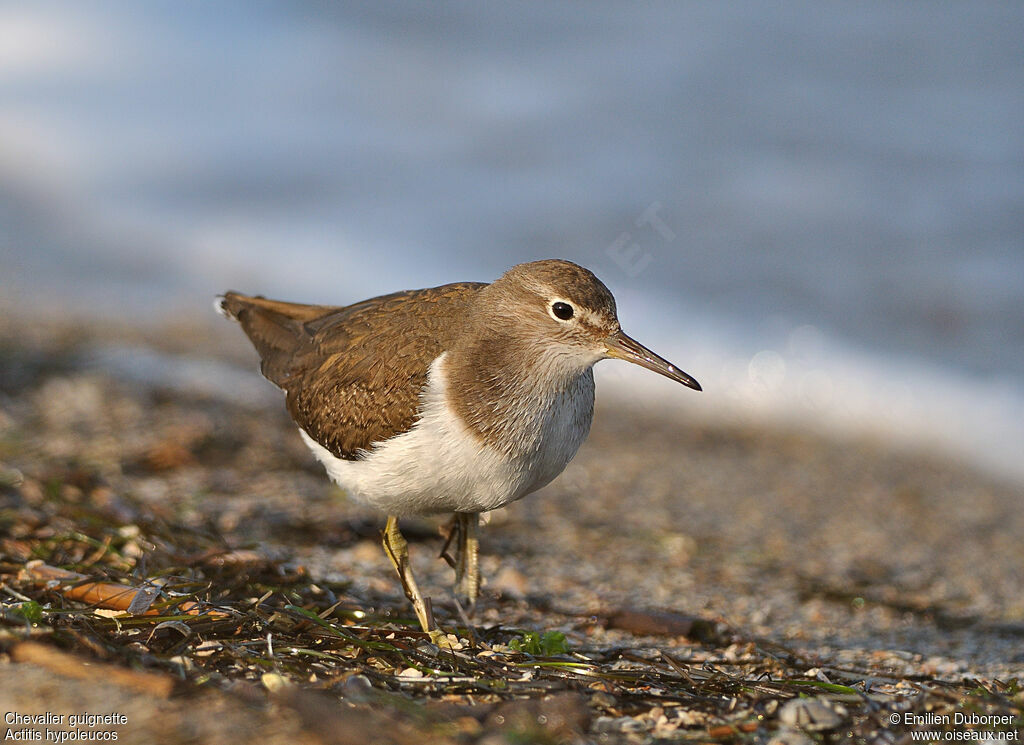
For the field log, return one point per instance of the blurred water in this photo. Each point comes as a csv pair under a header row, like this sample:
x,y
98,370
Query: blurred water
x,y
816,210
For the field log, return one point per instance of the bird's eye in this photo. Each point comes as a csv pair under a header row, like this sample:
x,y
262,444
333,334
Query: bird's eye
x,y
562,311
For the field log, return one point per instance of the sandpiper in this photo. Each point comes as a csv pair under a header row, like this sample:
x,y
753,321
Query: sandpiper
x,y
454,399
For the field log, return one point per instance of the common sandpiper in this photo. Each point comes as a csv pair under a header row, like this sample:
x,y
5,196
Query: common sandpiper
x,y
453,399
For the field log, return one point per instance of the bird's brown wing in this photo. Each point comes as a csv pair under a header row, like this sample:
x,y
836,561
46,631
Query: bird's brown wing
x,y
352,375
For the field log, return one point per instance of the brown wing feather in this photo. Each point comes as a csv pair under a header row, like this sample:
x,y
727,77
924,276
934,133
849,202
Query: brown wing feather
x,y
352,375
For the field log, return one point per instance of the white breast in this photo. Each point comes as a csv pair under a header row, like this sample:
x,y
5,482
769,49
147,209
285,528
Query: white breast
x,y
440,465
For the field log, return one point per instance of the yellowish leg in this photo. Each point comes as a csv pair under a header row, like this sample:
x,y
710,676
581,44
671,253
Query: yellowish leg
x,y
398,551
467,556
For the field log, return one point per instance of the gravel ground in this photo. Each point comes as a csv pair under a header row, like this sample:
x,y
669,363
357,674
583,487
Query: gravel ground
x,y
894,577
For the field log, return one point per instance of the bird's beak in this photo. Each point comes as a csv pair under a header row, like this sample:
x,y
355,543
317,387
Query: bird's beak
x,y
622,347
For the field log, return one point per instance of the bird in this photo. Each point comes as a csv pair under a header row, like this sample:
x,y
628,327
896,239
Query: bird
x,y
454,399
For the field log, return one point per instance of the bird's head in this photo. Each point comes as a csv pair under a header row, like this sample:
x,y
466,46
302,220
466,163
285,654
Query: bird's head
x,y
569,315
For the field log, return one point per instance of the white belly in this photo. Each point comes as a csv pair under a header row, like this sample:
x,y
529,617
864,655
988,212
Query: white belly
x,y
440,465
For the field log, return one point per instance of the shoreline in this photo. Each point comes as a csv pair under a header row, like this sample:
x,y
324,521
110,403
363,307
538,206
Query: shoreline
x,y
846,552
794,497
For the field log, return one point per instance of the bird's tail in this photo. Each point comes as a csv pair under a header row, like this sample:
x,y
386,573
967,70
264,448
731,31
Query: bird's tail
x,y
275,328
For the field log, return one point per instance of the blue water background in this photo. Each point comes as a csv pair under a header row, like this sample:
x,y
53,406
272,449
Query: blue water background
x,y
816,209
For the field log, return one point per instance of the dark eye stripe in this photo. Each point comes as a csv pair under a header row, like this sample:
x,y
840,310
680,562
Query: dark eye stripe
x,y
562,311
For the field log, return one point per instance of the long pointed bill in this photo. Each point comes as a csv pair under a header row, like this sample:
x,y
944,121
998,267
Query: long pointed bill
x,y
622,347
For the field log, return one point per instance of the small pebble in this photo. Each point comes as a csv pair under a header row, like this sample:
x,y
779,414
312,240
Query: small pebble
x,y
617,724
273,682
454,642
625,725
787,736
811,714
628,725
603,700
185,662
357,689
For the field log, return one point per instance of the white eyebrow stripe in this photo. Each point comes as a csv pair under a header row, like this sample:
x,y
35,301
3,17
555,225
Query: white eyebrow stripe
x,y
590,317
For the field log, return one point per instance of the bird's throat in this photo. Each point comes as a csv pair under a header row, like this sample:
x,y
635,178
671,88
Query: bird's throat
x,y
515,396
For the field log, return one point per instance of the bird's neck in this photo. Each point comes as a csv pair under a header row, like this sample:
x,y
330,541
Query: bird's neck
x,y
505,390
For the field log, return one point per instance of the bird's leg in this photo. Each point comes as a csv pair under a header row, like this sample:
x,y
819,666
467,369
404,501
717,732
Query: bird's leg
x,y
467,556
398,551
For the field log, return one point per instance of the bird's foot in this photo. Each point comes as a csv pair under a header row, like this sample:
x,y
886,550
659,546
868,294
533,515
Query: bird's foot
x,y
440,639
